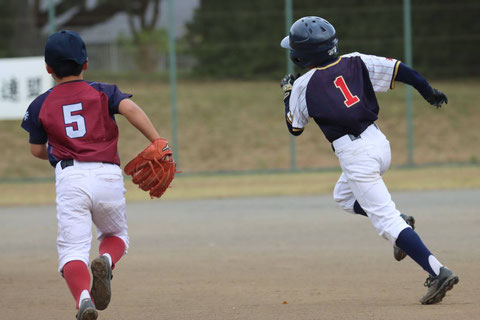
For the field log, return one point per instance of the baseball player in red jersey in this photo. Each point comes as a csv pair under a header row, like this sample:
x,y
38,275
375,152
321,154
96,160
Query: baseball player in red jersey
x,y
338,92
76,119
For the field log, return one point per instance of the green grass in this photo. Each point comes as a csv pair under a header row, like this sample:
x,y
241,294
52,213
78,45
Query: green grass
x,y
239,125
186,187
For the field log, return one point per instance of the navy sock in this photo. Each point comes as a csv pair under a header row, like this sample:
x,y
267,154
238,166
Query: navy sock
x,y
409,241
358,210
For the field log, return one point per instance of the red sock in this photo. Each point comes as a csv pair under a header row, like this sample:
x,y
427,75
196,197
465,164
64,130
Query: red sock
x,y
114,246
77,276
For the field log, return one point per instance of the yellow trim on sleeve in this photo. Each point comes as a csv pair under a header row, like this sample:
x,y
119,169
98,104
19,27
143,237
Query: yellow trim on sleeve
x,y
289,117
397,64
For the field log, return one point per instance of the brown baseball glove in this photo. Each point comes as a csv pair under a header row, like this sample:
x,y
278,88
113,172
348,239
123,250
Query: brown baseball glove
x,y
153,169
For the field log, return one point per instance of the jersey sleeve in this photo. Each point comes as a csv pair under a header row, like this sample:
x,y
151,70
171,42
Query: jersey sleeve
x,y
411,77
32,124
297,115
382,71
115,96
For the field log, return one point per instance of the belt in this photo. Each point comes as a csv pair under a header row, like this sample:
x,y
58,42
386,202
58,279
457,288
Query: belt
x,y
351,136
356,137
69,162
66,163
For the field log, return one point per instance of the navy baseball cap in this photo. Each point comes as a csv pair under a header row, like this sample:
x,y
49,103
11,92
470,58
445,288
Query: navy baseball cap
x,y
65,46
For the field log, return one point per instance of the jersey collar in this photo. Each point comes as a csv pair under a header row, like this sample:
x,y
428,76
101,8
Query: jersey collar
x,y
330,64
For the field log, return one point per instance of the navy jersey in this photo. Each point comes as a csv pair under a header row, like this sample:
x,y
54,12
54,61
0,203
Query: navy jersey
x,y
77,120
340,97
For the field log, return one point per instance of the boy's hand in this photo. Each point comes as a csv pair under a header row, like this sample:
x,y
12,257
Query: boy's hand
x,y
437,98
153,169
287,84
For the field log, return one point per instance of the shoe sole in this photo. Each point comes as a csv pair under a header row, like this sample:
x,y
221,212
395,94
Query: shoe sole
x,y
440,293
101,292
89,314
398,253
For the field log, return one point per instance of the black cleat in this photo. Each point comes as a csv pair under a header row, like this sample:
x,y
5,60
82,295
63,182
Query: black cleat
x,y
438,286
398,253
87,310
102,274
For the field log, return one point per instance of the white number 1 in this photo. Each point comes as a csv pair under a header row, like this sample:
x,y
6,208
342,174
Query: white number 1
x,y
71,119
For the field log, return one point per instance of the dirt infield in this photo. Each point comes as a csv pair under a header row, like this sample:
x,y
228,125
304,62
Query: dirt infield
x,y
243,258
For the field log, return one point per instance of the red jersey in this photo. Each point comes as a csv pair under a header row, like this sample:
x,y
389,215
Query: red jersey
x,y
77,120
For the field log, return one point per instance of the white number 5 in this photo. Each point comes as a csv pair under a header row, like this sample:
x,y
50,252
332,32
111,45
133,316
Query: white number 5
x,y
71,119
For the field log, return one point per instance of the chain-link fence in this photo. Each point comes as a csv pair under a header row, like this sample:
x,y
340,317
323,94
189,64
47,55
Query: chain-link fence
x,y
230,109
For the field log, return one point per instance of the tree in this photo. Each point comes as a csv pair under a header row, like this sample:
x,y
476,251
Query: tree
x,y
241,38
143,18
6,26
237,38
83,16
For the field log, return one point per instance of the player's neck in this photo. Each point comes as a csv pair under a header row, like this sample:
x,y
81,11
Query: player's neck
x,y
68,79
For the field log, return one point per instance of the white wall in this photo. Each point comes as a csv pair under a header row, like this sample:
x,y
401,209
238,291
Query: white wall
x,y
21,81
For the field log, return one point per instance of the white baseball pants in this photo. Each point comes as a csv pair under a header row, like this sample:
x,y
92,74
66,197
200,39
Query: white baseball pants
x,y
88,192
363,162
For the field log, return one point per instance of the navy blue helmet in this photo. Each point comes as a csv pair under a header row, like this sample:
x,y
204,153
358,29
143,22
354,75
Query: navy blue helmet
x,y
312,41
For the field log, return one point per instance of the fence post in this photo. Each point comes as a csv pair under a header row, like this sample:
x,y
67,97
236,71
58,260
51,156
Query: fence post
x,y
51,17
173,79
407,37
289,68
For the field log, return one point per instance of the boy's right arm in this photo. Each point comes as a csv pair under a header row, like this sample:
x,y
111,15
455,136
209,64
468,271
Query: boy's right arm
x,y
287,84
39,151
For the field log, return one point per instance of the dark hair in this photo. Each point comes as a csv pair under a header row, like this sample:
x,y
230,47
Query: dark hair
x,y
67,68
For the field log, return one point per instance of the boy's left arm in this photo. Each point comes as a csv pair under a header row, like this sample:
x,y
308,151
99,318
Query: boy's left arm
x,y
153,169
411,77
137,117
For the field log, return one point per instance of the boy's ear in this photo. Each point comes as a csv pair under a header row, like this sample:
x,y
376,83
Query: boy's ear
x,y
49,69
85,65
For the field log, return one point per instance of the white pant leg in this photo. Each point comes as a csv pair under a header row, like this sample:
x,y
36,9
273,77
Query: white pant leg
x,y
363,161
74,234
86,192
343,195
109,209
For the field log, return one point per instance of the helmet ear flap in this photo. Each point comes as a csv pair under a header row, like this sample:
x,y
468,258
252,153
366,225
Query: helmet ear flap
x,y
299,59
294,57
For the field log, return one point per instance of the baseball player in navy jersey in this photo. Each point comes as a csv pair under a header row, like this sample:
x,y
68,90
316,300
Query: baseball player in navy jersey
x,y
76,119
338,93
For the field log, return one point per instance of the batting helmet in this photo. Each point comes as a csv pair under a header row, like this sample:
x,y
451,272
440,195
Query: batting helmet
x,y
312,41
